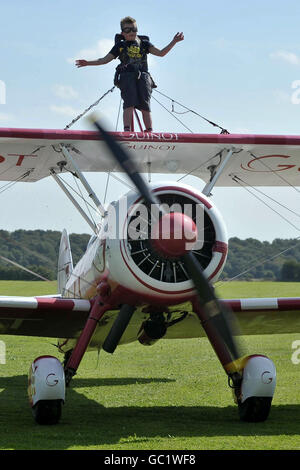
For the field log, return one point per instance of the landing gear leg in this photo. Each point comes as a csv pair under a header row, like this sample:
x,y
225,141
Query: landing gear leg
x,y
253,378
225,351
97,311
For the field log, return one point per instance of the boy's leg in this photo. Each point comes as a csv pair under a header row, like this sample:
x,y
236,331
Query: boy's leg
x,y
147,118
129,96
127,118
145,91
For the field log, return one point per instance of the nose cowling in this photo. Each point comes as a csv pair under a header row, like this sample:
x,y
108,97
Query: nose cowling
x,y
174,234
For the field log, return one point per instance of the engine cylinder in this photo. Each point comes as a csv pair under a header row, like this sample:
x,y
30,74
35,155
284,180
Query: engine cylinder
x,y
211,251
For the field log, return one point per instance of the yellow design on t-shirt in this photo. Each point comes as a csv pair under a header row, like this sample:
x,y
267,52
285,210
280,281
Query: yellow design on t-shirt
x,y
134,52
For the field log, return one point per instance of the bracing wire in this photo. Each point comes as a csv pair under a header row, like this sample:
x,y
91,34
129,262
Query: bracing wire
x,y
12,183
175,117
200,166
106,187
122,181
260,263
276,172
88,109
267,205
223,130
118,116
7,169
78,194
268,197
254,265
6,260
109,173
86,203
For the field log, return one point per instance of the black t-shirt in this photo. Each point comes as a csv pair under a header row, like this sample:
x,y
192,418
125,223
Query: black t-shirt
x,y
132,54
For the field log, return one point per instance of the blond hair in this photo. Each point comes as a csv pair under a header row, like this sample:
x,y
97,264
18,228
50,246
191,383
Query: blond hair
x,y
126,20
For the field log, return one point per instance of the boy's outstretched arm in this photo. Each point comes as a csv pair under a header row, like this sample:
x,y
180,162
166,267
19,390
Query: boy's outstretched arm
x,y
162,52
105,60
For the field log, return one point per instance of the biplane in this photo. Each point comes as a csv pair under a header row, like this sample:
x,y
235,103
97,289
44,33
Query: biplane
x,y
151,263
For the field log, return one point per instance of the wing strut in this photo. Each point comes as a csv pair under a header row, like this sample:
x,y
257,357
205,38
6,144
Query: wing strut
x,y
83,180
216,173
69,195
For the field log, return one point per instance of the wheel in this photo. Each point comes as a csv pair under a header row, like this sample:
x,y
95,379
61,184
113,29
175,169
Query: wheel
x,y
255,409
47,411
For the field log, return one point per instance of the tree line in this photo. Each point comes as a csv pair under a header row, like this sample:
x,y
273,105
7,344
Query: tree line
x,y
37,250
250,259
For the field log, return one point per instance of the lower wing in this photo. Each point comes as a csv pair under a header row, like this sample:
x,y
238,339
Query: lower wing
x,y
267,315
65,318
43,316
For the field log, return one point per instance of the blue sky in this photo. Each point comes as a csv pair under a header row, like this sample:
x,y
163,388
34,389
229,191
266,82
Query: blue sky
x,y
237,66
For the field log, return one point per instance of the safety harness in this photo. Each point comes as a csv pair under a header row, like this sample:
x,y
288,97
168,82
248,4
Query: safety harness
x,y
127,64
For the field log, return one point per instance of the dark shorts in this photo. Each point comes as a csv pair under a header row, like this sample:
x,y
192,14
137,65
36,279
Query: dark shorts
x,y
136,92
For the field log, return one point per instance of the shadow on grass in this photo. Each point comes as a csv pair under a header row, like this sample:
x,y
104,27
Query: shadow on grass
x,y
85,422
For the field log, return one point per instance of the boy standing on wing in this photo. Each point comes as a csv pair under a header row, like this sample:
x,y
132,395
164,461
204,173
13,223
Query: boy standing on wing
x,y
132,76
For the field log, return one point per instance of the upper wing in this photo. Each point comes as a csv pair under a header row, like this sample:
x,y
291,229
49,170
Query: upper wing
x,y
258,160
43,316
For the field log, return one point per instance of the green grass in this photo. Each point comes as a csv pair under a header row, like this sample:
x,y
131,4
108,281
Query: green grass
x,y
170,396
234,289
240,289
28,288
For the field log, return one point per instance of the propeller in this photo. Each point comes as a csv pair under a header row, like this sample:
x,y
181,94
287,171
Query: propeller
x,y
216,320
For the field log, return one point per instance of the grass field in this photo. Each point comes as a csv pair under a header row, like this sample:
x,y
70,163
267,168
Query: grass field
x,y
171,396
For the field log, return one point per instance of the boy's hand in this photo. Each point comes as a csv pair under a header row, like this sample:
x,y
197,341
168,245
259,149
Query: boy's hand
x,y
178,37
81,63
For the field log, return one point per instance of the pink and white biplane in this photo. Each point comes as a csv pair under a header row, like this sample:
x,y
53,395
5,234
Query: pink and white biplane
x,y
148,274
